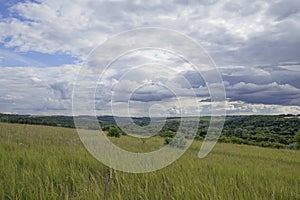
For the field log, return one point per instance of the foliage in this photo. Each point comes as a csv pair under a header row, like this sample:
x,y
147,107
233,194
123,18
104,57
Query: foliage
x,y
168,134
62,121
297,139
168,140
114,132
293,146
266,131
177,142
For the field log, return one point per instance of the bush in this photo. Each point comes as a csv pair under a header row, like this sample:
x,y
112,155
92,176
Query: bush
x,y
167,133
177,142
224,139
238,132
168,140
264,144
236,140
114,132
292,146
278,145
297,139
198,137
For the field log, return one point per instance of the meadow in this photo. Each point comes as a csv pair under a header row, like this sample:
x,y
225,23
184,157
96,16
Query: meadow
x,y
43,162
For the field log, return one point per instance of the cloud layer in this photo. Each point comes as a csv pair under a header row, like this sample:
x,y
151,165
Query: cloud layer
x,y
255,45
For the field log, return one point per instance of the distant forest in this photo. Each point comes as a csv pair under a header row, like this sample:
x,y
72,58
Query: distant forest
x,y
261,130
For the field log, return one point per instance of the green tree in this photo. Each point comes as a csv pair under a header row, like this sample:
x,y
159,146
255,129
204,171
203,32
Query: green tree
x,y
113,132
176,142
238,132
297,139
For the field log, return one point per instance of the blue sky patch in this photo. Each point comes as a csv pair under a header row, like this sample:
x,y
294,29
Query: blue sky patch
x,y
10,58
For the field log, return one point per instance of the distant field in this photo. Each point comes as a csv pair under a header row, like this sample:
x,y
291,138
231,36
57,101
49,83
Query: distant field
x,y
41,162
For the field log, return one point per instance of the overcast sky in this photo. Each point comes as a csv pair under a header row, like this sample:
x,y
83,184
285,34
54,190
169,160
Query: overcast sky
x,y
254,44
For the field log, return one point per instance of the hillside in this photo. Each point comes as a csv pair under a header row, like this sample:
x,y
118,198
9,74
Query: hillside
x,y
276,131
42,162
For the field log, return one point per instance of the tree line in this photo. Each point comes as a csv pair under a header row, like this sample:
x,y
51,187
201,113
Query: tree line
x,y
278,131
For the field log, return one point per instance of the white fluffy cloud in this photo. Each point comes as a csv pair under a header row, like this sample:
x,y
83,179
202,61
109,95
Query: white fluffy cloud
x,y
78,26
37,90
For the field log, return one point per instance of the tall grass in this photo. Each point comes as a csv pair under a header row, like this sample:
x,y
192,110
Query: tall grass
x,y
39,162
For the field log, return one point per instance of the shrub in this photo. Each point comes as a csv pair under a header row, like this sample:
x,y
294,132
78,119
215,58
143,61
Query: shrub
x,y
168,140
292,146
177,142
198,137
297,139
264,144
236,140
278,145
113,132
224,139
167,133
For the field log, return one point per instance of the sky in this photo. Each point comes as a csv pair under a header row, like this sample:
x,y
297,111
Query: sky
x,y
255,46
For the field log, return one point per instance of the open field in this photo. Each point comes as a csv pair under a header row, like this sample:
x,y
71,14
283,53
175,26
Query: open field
x,y
40,162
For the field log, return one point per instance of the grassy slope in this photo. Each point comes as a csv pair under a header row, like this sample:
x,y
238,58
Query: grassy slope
x,y
38,162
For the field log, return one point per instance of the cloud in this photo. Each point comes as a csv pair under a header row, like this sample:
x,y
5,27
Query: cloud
x,y
48,91
152,92
243,108
234,33
255,45
285,73
38,91
62,89
282,10
9,58
272,93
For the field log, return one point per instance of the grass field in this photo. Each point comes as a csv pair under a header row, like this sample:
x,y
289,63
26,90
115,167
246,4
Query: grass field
x,y
39,162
